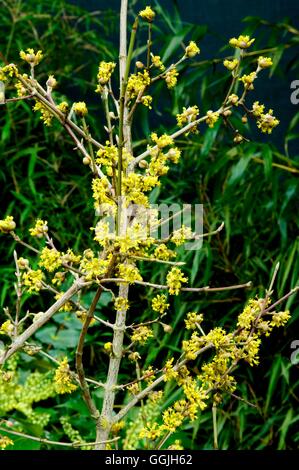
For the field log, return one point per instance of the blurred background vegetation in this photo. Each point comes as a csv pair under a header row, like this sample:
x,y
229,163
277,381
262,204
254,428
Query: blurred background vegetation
x,y
253,188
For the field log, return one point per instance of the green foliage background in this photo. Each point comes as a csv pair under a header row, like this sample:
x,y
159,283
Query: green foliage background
x,y
253,188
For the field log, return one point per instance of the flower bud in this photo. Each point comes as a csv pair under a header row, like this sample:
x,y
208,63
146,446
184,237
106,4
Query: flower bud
x,y
143,164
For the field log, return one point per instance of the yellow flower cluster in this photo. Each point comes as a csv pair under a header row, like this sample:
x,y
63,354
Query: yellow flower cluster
x,y
174,279
159,303
233,99
135,185
193,319
214,375
157,62
177,445
162,141
129,273
137,83
171,77
7,72
50,259
149,375
5,442
107,156
147,14
80,109
257,109
6,328
121,303
33,280
147,101
46,115
188,115
7,225
63,107
92,266
100,189
33,58
40,228
248,80
231,64
163,253
70,258
191,346
141,334
280,318
212,118
264,62
152,431
267,122
169,372
192,50
104,74
242,42
63,381
21,89
180,236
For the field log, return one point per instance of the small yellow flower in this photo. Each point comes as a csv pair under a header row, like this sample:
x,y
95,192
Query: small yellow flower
x,y
159,304
257,109
120,303
129,273
169,373
63,107
180,236
141,334
80,108
147,14
33,280
63,381
147,101
40,228
193,319
267,122
192,50
233,99
157,62
264,62
46,115
175,278
50,259
7,72
162,141
212,118
242,42
6,328
280,318
7,225
171,77
33,58
248,80
104,74
5,442
188,115
137,83
108,347
231,64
